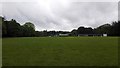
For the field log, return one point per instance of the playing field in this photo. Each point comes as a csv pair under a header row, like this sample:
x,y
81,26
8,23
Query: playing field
x,y
60,51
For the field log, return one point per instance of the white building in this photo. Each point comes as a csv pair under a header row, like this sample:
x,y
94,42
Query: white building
x,y
104,35
63,35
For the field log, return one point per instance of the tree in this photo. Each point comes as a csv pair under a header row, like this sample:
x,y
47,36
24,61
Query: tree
x,y
44,33
115,28
28,29
89,30
51,33
1,22
84,30
29,25
4,29
13,28
74,32
81,30
103,29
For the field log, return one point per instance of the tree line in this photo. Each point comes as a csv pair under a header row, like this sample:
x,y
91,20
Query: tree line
x,y
109,29
13,29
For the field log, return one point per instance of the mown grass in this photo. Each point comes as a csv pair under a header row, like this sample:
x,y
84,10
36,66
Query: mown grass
x,y
0,52
60,51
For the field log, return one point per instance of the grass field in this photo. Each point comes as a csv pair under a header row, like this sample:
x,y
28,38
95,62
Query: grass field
x,y
0,52
60,51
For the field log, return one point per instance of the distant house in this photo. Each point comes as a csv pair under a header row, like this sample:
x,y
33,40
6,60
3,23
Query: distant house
x,y
104,35
63,35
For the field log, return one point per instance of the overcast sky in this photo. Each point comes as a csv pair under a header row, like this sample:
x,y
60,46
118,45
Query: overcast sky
x,y
60,14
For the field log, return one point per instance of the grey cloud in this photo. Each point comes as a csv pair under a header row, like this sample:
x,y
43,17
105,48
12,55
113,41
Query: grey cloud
x,y
61,14
91,13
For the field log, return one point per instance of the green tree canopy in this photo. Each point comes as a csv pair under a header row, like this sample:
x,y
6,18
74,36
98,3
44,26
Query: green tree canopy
x,y
29,25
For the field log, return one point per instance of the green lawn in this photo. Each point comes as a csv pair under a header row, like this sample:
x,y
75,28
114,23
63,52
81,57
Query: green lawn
x,y
0,52
60,51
